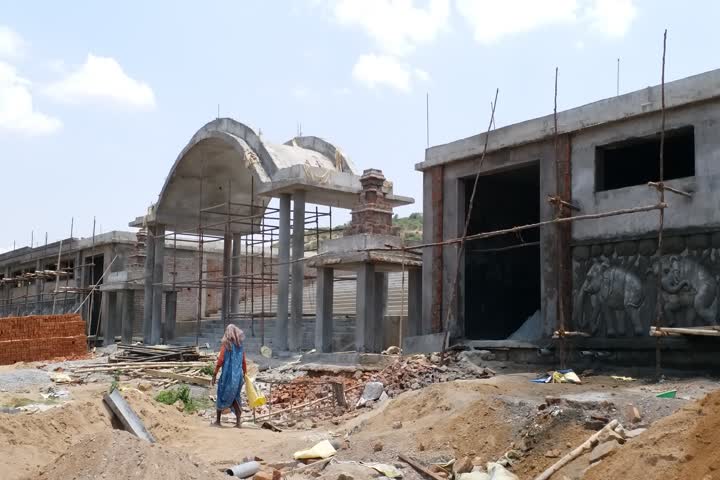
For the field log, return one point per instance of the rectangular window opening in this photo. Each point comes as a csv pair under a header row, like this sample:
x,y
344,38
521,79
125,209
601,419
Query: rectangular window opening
x,y
636,161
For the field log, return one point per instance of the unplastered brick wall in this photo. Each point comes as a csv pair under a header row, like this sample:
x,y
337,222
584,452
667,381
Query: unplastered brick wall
x,y
41,337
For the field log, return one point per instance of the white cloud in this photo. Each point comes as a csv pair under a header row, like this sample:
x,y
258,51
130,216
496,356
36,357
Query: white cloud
x,y
384,70
491,21
11,44
17,114
397,26
102,79
612,17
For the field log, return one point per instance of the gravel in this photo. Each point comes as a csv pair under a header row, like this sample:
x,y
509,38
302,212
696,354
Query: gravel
x,y
22,379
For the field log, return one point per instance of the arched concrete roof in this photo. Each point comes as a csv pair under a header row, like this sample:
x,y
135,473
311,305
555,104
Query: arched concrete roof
x,y
234,161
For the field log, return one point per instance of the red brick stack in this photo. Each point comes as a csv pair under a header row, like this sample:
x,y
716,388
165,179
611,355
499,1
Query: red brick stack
x,y
41,337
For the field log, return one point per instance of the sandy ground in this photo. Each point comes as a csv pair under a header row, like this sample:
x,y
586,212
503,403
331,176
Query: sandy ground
x,y
480,419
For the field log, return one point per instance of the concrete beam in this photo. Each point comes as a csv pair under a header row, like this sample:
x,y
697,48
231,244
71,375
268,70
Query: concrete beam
x,y
281,325
298,271
226,270
414,302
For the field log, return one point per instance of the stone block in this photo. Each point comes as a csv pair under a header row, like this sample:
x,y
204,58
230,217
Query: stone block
x,y
698,242
608,249
603,450
581,253
626,249
647,247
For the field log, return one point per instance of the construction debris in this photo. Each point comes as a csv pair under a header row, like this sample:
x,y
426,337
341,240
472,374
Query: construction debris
x,y
160,353
127,416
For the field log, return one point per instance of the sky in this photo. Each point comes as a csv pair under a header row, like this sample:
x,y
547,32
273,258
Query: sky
x,y
98,98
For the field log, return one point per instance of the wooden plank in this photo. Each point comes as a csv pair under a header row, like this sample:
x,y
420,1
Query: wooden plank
x,y
201,381
419,467
127,416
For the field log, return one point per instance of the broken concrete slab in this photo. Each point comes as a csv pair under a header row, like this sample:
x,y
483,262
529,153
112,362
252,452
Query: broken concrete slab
x,y
434,342
127,416
603,450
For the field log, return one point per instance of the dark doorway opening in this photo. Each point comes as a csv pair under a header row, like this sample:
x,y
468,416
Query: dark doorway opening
x,y
502,283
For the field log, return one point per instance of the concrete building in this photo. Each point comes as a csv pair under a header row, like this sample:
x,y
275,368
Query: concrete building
x,y
606,269
31,283
219,189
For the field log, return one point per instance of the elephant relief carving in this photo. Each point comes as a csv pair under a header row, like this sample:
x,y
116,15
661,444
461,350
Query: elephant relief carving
x,y
615,295
688,291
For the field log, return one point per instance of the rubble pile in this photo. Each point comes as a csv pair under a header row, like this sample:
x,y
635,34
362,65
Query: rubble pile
x,y
405,373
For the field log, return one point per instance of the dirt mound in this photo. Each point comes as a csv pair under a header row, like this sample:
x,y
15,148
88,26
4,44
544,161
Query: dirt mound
x,y
31,440
683,445
463,418
119,455
163,421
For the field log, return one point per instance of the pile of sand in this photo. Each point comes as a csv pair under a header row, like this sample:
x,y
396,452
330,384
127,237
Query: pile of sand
x,y
118,455
681,446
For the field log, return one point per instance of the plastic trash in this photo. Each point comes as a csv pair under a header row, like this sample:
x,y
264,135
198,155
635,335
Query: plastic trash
x,y
244,470
474,476
321,450
668,394
387,470
498,472
559,376
255,398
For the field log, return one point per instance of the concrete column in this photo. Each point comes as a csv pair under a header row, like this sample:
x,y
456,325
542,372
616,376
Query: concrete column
x,y
381,296
227,268
236,266
148,287
127,311
170,316
281,324
324,307
158,278
108,314
365,308
298,271
415,300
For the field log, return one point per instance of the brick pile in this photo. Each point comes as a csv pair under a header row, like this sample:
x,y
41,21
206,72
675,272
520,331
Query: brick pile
x,y
41,337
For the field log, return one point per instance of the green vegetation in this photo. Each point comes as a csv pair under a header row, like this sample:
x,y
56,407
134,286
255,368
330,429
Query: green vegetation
x,y
171,396
411,227
208,370
116,381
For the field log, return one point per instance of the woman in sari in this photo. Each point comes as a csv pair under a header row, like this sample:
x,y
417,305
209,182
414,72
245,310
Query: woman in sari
x,y
232,361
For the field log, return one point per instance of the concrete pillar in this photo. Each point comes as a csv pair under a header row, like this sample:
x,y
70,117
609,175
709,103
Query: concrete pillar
x,y
324,307
298,271
236,266
79,276
415,300
158,278
127,312
381,296
281,324
108,315
365,308
170,316
148,285
226,270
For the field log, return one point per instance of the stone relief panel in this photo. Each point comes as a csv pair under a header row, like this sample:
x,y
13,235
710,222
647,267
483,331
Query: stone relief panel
x,y
615,285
